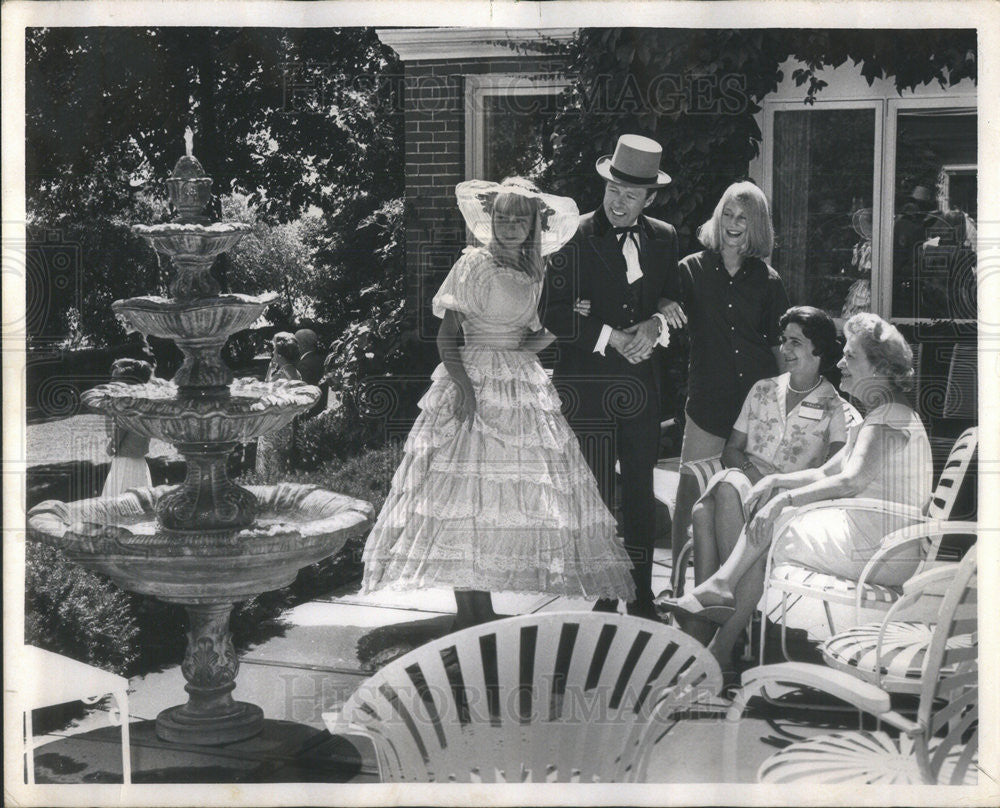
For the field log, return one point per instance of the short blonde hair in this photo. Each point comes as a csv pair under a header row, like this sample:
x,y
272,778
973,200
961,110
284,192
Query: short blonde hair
x,y
885,347
760,231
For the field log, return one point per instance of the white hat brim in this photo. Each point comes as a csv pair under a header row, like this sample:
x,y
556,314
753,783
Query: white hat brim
x,y
559,225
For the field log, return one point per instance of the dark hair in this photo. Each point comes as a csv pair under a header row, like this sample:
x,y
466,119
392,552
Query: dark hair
x,y
134,371
817,327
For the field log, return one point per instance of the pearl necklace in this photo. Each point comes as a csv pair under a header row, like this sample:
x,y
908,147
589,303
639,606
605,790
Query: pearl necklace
x,y
803,392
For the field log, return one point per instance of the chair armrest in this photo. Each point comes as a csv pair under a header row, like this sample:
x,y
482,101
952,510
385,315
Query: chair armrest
x,y
907,535
933,581
336,725
862,504
787,677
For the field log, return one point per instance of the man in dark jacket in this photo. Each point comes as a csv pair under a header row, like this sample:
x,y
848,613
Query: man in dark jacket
x,y
622,262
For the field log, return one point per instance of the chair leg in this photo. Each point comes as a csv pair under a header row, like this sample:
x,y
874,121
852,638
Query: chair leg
x,y
784,620
121,699
748,645
829,617
29,747
678,574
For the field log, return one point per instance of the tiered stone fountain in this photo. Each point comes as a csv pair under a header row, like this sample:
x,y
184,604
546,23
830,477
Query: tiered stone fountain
x,y
207,543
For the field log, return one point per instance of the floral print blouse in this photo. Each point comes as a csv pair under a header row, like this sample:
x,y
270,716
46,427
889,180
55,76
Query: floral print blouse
x,y
778,442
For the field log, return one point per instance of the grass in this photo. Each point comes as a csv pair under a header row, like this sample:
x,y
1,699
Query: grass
x,y
80,437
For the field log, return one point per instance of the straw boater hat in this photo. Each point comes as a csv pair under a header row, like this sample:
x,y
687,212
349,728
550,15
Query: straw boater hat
x,y
636,161
559,215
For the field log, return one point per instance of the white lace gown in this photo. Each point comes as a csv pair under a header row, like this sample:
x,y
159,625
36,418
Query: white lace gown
x,y
510,503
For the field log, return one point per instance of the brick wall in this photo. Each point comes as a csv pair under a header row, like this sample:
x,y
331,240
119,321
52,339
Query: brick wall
x,y
434,104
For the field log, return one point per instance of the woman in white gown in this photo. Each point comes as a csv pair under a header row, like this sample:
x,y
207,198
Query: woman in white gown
x,y
128,450
493,493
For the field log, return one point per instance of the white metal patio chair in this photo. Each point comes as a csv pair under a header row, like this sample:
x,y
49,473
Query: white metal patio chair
x,y
931,527
890,654
939,747
56,679
557,697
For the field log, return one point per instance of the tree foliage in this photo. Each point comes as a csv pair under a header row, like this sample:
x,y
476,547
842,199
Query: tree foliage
x,y
294,122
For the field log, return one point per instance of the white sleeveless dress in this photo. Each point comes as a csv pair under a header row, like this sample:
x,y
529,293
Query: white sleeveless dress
x,y
841,542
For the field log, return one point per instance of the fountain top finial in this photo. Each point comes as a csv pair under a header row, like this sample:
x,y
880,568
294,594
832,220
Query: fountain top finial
x,y
188,167
190,189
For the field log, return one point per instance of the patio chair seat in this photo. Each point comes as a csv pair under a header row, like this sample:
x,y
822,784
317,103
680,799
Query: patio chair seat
x,y
796,580
557,697
872,758
904,647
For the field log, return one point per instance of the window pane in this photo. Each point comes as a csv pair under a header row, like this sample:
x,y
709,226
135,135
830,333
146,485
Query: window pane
x,y
517,133
824,174
933,256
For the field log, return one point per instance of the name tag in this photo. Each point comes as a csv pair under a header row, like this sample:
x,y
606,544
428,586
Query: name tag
x,y
811,411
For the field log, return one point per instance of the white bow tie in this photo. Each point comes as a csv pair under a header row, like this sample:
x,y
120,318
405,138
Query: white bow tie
x,y
630,249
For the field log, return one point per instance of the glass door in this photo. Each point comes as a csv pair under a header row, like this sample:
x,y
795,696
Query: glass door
x,y
823,171
934,212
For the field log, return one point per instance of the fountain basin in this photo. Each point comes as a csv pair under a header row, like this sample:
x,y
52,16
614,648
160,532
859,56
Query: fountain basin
x,y
296,525
194,320
252,408
192,240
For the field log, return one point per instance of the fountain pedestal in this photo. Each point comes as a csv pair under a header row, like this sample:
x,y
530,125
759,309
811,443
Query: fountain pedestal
x,y
211,715
207,499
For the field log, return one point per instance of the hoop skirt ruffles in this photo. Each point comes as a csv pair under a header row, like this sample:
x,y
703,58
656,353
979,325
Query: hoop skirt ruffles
x,y
508,504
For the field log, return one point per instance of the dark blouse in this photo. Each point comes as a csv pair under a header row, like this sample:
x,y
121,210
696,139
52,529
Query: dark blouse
x,y
733,324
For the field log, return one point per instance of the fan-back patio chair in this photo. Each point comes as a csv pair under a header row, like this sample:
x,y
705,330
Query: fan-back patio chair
x,y
939,747
557,697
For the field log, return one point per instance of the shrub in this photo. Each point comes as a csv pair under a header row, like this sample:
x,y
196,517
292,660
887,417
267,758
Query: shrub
x,y
72,611
335,434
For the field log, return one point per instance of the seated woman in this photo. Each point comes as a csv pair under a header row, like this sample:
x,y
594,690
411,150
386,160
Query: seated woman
x,y
789,422
887,458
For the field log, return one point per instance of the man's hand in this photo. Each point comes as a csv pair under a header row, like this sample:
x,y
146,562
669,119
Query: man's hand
x,y
619,340
644,337
676,318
